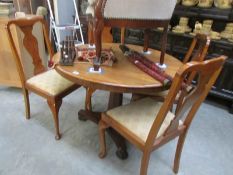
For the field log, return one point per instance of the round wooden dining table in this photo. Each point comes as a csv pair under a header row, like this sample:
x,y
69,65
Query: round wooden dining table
x,y
121,77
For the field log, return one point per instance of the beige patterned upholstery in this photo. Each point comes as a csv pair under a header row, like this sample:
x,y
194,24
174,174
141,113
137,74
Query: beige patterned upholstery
x,y
138,9
50,82
139,116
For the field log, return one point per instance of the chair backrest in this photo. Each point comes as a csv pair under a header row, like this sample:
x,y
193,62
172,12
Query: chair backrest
x,y
190,99
148,9
29,44
139,10
134,14
198,48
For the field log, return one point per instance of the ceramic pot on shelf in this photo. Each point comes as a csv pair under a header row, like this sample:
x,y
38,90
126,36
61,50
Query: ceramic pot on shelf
x,y
227,32
223,4
215,35
205,3
208,22
189,2
197,28
182,27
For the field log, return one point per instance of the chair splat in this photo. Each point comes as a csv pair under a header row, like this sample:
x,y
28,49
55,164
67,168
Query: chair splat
x,y
31,44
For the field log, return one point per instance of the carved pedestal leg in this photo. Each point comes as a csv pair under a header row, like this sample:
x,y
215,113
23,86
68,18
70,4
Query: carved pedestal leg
x,y
54,107
115,100
120,143
88,105
27,103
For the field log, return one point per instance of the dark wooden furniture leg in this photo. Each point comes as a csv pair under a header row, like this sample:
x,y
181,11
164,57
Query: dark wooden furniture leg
x,y
115,100
146,40
231,108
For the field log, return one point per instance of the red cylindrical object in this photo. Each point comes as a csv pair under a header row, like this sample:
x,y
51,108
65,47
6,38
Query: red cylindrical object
x,y
152,73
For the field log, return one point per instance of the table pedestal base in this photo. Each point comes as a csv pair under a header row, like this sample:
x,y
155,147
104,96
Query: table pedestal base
x,y
114,100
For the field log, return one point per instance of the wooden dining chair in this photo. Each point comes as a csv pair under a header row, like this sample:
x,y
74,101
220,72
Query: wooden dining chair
x,y
45,83
198,48
196,52
133,14
149,124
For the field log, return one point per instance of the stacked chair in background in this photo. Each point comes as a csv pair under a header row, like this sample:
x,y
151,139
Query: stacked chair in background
x,y
196,52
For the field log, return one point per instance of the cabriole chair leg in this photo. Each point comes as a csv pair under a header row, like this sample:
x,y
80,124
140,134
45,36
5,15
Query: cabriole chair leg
x,y
179,149
54,107
27,103
102,128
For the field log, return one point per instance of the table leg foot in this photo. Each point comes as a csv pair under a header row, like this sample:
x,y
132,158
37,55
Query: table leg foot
x,y
81,116
84,115
121,153
117,138
120,143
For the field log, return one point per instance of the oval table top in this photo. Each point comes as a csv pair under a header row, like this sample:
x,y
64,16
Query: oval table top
x,y
123,76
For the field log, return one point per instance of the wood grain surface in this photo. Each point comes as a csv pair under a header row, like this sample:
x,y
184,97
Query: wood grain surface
x,y
123,76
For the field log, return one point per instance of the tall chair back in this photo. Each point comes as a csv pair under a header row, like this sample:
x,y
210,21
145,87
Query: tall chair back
x,y
30,45
149,124
133,14
45,83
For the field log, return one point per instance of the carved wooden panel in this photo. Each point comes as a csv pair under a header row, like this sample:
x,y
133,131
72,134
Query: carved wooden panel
x,y
31,44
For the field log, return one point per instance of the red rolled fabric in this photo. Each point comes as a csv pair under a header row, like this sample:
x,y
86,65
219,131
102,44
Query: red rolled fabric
x,y
150,64
152,73
146,65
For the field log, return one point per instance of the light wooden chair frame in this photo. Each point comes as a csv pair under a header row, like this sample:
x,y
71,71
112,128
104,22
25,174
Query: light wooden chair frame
x,y
196,52
31,44
189,102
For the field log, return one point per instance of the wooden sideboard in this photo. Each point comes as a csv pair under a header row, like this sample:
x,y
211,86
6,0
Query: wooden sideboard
x,y
8,72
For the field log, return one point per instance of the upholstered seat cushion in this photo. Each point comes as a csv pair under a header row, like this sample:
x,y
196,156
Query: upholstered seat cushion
x,y
139,116
50,82
138,9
